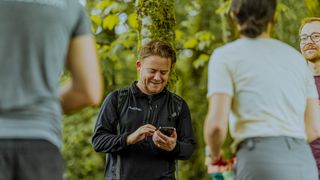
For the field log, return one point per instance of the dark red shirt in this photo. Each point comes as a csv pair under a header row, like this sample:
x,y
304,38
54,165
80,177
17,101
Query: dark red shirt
x,y
315,145
317,80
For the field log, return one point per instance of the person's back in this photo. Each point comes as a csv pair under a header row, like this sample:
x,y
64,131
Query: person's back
x,y
34,43
38,38
272,94
270,78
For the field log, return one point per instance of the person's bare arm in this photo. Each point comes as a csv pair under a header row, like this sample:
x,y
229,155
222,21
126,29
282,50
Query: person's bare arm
x,y
85,87
216,125
312,119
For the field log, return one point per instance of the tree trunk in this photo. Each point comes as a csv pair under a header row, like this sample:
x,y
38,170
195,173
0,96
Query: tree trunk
x,y
156,20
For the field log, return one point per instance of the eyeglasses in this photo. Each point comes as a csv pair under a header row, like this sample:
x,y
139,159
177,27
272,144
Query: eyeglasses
x,y
315,37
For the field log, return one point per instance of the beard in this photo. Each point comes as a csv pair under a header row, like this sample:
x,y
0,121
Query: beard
x,y
314,58
311,53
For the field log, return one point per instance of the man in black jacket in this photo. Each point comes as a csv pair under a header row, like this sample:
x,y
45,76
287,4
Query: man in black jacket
x,y
128,124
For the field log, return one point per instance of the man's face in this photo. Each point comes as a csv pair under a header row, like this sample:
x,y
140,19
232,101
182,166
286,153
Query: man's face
x,y
310,41
154,74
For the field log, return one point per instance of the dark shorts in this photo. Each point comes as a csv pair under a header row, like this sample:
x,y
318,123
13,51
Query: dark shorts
x,y
27,159
275,158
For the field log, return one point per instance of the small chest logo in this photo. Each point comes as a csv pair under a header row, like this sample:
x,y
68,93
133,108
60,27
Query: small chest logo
x,y
134,108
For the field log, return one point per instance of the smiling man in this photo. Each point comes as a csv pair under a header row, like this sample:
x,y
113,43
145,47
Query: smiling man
x,y
310,43
310,48
127,128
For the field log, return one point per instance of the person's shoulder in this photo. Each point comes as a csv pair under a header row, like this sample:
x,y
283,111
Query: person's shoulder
x,y
285,48
111,97
74,2
280,44
125,88
177,97
74,6
122,91
116,92
228,51
228,46
113,93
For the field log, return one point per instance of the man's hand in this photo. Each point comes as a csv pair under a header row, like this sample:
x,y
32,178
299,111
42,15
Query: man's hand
x,y
141,133
165,142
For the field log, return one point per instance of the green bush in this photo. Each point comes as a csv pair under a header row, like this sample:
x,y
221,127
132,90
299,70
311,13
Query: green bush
x,y
81,161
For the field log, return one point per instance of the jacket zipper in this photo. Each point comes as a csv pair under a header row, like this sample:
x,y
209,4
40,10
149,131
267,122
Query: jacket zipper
x,y
150,110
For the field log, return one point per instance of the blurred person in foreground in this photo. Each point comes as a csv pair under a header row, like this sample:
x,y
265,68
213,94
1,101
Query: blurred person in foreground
x,y
310,48
130,122
38,39
271,92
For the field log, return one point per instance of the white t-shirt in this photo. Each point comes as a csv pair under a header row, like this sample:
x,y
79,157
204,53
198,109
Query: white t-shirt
x,y
269,82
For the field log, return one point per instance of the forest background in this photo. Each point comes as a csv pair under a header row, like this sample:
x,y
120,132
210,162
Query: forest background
x,y
196,28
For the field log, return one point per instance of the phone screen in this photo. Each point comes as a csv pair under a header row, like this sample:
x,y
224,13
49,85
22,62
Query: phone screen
x,y
166,130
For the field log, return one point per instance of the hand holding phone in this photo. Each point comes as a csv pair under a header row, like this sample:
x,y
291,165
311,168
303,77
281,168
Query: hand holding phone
x,y
166,130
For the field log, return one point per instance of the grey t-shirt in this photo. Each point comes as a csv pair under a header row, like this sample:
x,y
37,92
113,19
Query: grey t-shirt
x,y
269,82
34,41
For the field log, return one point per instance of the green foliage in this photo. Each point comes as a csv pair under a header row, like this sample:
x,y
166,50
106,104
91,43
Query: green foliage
x,y
201,26
133,22
81,160
312,7
117,54
288,21
110,21
114,25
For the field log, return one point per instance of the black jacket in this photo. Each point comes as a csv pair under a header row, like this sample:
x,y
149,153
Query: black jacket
x,y
143,160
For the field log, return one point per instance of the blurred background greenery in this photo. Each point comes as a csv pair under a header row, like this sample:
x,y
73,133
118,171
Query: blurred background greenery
x,y
198,26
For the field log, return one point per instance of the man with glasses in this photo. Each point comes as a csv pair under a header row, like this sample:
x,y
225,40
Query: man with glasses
x,y
310,48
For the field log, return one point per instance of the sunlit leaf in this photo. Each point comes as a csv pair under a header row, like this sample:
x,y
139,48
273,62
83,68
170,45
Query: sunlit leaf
x,y
104,4
179,34
132,20
191,43
96,20
110,21
201,61
224,8
204,36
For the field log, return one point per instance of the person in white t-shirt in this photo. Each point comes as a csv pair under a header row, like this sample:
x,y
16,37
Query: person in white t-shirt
x,y
268,87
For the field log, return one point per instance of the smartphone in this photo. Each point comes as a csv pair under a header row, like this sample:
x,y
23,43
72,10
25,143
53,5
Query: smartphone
x,y
166,130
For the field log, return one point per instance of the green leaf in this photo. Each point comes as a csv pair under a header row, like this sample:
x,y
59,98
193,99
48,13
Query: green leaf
x,y
132,20
104,4
110,21
179,34
201,61
96,20
191,43
204,36
224,8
